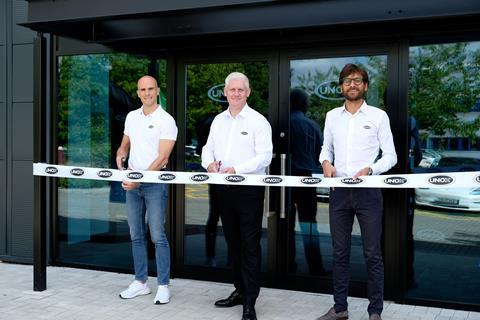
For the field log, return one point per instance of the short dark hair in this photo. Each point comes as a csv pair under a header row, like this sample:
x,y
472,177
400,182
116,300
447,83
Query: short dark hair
x,y
298,100
350,68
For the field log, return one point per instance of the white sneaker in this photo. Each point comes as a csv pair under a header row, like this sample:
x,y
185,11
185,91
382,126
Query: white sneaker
x,y
163,295
135,289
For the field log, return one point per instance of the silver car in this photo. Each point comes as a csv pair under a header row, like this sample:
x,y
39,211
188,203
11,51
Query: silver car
x,y
465,199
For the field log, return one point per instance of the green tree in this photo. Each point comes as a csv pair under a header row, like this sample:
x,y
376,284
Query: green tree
x,y
444,84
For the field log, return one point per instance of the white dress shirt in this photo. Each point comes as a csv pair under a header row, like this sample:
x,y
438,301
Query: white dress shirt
x,y
353,141
145,133
243,142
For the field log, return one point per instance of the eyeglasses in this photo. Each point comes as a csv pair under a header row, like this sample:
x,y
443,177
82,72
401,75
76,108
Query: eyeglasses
x,y
348,81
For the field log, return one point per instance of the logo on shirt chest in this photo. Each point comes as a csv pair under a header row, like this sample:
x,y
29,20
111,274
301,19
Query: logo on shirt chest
x,y
150,126
366,127
244,133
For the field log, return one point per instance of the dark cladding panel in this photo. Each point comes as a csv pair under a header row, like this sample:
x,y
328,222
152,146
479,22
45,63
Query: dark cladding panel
x,y
3,209
22,78
3,11
21,235
20,14
22,131
3,133
3,76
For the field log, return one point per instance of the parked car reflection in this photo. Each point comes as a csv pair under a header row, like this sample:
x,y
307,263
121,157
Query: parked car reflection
x,y
463,199
467,199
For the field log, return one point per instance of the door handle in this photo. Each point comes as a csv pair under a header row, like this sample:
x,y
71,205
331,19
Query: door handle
x,y
283,170
266,203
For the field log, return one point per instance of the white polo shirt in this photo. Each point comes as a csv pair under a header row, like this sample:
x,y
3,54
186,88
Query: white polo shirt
x,y
353,141
145,133
243,142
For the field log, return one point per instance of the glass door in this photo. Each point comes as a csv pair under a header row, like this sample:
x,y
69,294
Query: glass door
x,y
296,242
200,241
308,90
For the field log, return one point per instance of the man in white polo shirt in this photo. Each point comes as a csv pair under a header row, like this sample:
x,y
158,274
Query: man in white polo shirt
x,y
149,137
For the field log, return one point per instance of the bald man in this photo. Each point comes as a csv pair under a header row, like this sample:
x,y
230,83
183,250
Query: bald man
x,y
149,136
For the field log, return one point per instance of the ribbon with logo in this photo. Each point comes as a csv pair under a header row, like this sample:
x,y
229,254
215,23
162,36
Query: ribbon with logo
x,y
418,180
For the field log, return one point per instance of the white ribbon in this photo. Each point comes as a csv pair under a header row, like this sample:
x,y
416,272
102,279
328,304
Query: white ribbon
x,y
422,180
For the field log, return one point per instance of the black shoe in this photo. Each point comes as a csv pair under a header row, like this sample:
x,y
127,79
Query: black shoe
x,y
249,313
233,300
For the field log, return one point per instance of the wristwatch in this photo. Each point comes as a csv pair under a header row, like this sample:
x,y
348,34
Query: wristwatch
x,y
370,171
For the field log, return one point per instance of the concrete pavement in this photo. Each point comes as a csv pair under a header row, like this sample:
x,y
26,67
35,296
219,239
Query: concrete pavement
x,y
75,294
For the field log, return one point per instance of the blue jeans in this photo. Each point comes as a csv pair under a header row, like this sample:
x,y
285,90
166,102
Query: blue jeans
x,y
149,199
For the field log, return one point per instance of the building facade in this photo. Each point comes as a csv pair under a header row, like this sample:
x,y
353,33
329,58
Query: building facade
x,y
423,60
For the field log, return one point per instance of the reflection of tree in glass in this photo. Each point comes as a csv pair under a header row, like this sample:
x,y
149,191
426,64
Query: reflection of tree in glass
x,y
444,84
202,77
84,114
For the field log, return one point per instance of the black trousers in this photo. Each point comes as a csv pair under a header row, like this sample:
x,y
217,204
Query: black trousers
x,y
212,222
367,205
241,210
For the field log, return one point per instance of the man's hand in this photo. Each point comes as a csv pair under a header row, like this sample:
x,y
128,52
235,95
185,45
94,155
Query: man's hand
x,y
214,167
363,172
121,162
229,170
329,171
129,185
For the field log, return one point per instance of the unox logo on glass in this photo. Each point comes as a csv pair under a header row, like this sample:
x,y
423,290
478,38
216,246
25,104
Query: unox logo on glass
x,y
329,90
215,93
77,172
199,177
440,180
166,177
477,179
395,181
310,180
51,170
351,181
104,173
134,175
235,178
272,180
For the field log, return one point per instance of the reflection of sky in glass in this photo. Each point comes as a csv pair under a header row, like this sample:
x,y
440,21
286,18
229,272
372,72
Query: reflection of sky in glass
x,y
319,77
302,67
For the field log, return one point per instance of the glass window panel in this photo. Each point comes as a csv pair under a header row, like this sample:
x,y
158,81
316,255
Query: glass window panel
x,y
204,242
444,224
309,250
95,93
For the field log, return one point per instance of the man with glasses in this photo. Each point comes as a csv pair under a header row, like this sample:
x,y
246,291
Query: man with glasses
x,y
357,142
240,142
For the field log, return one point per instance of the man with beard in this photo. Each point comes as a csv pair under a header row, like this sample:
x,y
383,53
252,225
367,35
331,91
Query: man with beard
x,y
357,142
